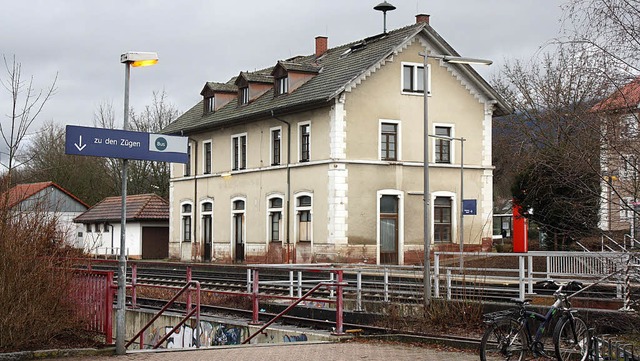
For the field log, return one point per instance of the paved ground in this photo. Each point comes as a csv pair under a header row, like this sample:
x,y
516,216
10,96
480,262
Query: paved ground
x,y
351,351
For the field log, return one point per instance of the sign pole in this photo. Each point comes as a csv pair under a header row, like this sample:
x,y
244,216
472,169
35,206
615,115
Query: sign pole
x,y
462,204
122,262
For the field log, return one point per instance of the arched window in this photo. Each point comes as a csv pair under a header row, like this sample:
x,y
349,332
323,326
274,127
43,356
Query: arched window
x,y
303,212
185,216
275,218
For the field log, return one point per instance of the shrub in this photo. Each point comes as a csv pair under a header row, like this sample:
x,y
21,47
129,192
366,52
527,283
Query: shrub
x,y
34,306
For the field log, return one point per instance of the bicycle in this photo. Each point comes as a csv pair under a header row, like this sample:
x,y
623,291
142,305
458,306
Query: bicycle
x,y
512,332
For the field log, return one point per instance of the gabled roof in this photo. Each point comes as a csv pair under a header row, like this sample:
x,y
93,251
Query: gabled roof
x,y
303,68
22,192
219,87
627,97
255,77
141,207
339,67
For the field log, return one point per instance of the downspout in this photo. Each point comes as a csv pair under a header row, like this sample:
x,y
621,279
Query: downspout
x,y
111,226
288,206
195,196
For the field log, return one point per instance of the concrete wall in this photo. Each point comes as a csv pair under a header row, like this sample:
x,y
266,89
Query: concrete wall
x,y
214,332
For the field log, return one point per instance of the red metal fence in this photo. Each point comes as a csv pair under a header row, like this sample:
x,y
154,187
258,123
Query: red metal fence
x,y
92,292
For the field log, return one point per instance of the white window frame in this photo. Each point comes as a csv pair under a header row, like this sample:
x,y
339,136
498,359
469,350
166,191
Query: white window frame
x,y
271,141
452,147
210,104
415,78
628,164
273,210
244,95
398,137
300,125
182,215
455,216
400,195
297,209
629,126
232,241
626,214
240,159
204,157
204,213
282,85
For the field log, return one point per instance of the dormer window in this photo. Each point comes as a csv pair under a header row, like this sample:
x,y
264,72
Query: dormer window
x,y
244,96
282,85
209,104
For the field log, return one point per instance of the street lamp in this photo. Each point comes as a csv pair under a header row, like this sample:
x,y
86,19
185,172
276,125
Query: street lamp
x,y
427,196
129,59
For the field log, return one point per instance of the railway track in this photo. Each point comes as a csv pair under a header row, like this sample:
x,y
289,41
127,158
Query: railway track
x,y
364,285
365,329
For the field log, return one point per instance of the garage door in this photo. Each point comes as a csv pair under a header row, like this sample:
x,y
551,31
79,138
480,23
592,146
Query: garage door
x,y
155,242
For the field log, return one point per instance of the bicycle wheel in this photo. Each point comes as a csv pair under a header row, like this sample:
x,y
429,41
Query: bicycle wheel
x,y
571,343
504,340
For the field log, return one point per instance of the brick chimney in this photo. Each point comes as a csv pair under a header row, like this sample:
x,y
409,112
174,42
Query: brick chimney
x,y
321,45
422,18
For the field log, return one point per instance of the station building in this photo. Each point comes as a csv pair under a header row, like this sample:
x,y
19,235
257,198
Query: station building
x,y
319,158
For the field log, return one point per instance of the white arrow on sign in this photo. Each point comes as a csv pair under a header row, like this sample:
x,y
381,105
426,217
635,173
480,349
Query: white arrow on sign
x,y
80,146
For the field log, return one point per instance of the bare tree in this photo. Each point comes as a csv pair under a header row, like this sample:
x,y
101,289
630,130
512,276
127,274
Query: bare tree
x,y
47,161
26,104
549,149
608,27
144,176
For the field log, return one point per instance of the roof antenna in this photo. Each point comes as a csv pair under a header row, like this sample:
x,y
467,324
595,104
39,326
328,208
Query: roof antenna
x,y
384,7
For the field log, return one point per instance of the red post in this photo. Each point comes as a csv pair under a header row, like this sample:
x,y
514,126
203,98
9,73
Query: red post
x,y
254,299
188,291
134,282
520,237
108,321
339,326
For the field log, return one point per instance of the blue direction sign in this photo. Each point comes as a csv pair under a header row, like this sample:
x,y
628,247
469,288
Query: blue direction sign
x,y
469,207
113,143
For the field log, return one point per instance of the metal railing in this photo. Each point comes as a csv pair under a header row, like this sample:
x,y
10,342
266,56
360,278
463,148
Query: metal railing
x,y
526,269
93,296
190,312
339,308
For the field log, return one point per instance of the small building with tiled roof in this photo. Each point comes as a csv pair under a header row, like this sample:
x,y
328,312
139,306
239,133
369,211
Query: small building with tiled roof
x,y
320,157
619,116
147,226
51,199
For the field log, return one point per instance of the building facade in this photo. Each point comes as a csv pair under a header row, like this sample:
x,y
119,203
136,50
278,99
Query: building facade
x,y
619,116
320,157
147,227
48,200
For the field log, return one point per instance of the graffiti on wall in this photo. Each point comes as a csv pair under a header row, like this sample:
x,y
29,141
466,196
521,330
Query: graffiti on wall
x,y
294,338
211,334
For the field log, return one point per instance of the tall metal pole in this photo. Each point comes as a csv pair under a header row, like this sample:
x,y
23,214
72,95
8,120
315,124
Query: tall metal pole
x,y
122,262
461,204
427,195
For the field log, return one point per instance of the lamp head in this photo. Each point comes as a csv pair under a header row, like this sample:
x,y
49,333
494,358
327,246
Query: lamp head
x,y
461,60
384,7
139,58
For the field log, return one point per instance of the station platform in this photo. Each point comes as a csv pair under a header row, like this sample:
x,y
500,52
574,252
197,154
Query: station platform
x,y
297,351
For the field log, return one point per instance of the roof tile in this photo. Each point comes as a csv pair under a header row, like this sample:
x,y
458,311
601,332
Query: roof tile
x,y
139,207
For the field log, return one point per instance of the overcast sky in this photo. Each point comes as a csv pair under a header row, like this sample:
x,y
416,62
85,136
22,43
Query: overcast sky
x,y
213,40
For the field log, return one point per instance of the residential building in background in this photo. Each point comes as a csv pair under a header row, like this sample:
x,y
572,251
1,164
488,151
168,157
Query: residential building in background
x,y
147,223
319,158
619,156
49,200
